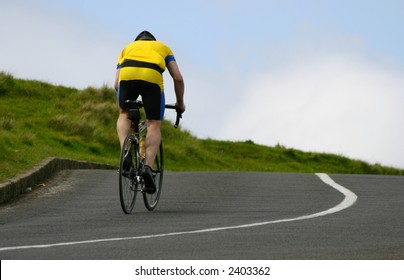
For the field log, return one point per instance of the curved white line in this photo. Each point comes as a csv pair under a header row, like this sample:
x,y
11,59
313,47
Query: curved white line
x,y
349,200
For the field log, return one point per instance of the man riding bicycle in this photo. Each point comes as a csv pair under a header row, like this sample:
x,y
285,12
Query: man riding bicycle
x,y
139,72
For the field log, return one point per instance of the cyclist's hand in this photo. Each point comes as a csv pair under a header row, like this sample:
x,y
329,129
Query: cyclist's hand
x,y
181,107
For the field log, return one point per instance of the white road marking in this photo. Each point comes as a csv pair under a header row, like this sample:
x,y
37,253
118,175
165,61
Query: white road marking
x,y
349,200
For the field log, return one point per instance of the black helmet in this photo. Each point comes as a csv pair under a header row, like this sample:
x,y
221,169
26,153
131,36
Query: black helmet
x,y
145,36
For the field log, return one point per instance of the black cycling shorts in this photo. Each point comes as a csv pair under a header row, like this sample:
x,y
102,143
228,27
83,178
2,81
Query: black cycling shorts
x,y
152,97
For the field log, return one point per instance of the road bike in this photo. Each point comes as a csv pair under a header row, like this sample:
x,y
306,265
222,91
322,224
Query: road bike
x,y
132,163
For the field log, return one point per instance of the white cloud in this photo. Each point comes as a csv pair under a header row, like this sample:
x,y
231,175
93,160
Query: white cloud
x,y
42,41
329,103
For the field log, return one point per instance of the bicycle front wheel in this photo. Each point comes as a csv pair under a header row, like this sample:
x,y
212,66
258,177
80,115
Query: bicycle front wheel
x,y
128,183
151,200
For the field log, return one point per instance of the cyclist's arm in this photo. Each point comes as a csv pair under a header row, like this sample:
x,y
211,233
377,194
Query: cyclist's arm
x,y
179,85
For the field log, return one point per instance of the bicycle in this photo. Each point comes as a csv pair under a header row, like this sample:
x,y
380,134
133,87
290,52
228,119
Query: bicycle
x,y
132,161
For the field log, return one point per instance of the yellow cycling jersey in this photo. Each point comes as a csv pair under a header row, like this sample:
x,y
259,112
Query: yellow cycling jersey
x,y
144,60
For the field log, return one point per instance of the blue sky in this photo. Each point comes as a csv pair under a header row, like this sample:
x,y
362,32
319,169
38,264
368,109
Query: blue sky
x,y
323,76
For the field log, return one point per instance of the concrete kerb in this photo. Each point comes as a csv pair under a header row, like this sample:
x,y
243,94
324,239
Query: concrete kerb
x,y
13,188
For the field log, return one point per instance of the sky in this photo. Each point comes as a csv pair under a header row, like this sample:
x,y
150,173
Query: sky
x,y
319,76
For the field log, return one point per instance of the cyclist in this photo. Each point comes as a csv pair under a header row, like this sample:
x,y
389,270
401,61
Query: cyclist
x,y
139,72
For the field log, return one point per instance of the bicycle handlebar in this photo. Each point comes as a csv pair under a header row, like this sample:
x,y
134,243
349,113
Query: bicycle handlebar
x,y
179,114
168,106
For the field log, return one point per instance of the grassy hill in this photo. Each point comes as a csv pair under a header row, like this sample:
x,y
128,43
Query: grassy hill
x,y
39,120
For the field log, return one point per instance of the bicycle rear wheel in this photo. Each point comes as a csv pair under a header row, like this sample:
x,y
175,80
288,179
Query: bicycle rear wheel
x,y
128,183
151,200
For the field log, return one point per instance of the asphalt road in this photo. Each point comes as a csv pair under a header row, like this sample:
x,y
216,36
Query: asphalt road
x,y
201,215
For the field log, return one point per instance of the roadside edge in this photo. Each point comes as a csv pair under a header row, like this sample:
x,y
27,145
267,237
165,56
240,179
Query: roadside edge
x,y
23,183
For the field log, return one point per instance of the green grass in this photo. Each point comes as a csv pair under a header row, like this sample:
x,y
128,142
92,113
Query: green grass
x,y
39,120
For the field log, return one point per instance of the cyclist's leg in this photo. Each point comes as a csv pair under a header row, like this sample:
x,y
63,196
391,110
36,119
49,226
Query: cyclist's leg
x,y
126,90
154,101
153,140
123,126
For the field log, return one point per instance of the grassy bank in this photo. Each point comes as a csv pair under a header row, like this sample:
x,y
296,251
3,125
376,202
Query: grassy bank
x,y
39,120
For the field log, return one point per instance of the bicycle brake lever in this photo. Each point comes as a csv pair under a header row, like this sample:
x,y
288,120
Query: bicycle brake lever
x,y
177,121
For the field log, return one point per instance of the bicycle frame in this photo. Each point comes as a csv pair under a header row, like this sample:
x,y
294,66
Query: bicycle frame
x,y
131,180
